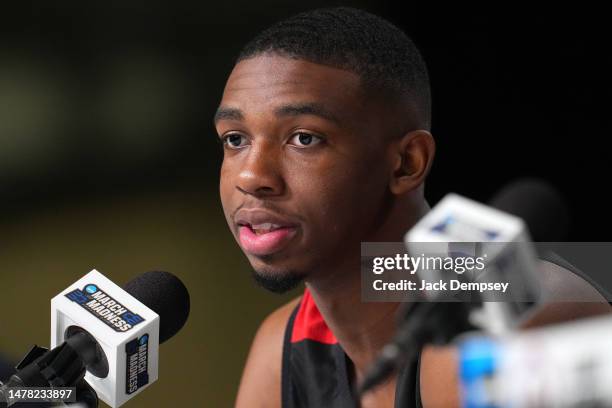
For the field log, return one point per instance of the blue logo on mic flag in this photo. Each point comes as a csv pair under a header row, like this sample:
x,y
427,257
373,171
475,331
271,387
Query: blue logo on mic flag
x,y
450,225
136,363
105,308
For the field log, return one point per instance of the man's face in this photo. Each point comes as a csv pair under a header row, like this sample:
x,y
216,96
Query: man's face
x,y
304,178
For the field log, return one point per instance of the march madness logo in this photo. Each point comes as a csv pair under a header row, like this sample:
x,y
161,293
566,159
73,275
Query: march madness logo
x,y
136,363
105,308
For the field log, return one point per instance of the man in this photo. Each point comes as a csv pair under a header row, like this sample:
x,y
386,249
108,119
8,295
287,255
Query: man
x,y
325,123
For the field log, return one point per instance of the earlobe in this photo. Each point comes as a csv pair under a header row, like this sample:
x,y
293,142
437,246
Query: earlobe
x,y
412,158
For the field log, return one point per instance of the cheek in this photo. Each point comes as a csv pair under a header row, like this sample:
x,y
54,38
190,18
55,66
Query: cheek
x,y
338,199
225,189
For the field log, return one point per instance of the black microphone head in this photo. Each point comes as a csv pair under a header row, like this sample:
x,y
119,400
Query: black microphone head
x,y
166,295
539,204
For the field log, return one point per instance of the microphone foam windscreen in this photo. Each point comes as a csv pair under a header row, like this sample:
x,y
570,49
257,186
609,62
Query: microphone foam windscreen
x,y
166,295
539,204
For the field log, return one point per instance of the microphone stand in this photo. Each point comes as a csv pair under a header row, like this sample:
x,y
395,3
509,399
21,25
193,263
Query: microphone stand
x,y
63,366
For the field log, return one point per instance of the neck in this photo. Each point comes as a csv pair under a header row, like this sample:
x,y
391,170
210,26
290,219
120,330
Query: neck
x,y
362,328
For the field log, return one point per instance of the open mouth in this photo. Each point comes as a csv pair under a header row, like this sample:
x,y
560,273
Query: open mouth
x,y
264,238
264,228
264,232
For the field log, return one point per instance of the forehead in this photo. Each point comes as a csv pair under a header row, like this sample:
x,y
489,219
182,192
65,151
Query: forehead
x,y
266,81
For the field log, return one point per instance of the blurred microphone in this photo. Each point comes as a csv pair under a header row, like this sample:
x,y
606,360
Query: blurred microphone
x,y
563,366
105,339
457,225
539,205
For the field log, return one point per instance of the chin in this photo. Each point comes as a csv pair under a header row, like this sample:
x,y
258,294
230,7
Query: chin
x,y
277,280
278,273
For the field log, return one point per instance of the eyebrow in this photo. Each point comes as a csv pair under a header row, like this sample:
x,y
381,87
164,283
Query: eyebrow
x,y
228,114
310,108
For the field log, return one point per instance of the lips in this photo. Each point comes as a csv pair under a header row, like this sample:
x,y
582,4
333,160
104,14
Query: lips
x,y
262,232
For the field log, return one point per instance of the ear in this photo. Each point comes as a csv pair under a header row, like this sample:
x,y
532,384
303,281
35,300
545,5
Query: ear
x,y
412,156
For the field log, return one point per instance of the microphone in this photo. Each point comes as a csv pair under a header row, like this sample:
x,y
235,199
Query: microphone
x,y
107,336
525,198
562,365
457,224
166,295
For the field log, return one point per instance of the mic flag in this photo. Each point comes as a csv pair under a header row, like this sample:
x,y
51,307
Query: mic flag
x,y
126,330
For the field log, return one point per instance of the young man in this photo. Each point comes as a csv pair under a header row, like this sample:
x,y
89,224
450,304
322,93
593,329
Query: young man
x,y
325,122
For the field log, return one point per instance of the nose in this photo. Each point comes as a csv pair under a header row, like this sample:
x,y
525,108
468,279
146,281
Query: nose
x,y
261,173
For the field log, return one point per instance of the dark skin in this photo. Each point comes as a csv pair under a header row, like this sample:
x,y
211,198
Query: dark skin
x,y
307,145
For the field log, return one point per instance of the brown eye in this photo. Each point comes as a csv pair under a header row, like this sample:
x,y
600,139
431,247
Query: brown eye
x,y
303,139
234,140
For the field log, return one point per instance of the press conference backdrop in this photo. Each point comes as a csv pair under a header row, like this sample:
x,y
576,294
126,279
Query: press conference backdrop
x,y
109,160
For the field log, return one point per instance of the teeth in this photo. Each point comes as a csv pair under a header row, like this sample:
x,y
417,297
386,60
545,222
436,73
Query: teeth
x,y
264,228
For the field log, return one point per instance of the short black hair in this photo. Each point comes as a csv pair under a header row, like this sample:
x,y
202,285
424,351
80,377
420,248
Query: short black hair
x,y
355,40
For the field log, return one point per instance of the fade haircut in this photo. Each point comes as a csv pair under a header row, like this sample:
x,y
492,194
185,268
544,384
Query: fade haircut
x,y
382,55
